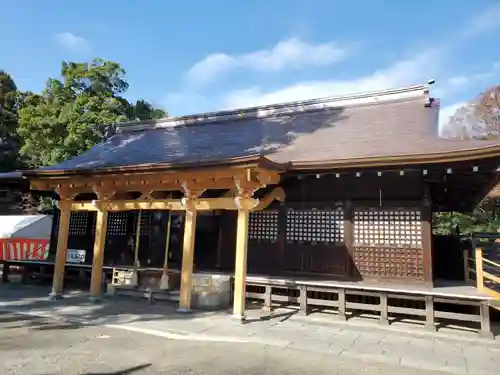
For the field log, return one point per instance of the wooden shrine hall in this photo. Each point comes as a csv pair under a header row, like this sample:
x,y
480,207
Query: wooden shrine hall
x,y
340,189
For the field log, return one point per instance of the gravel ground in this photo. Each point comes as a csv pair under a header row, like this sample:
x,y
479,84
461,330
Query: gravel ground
x,y
31,345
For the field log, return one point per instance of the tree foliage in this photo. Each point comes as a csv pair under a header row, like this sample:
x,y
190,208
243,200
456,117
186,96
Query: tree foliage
x,y
9,143
479,119
488,111
483,219
142,110
68,117
72,113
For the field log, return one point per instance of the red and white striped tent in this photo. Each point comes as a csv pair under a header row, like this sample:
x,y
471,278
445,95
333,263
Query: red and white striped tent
x,y
25,237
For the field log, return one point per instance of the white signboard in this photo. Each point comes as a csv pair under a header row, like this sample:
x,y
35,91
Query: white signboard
x,y
75,256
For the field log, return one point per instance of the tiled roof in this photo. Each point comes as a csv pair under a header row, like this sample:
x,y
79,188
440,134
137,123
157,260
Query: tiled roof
x,y
401,122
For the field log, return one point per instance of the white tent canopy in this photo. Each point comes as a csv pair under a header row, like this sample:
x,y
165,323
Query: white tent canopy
x,y
26,226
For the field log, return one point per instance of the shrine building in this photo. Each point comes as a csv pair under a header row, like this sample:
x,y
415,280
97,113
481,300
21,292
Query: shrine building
x,y
340,189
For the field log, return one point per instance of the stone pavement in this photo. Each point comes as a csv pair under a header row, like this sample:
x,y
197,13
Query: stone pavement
x,y
401,345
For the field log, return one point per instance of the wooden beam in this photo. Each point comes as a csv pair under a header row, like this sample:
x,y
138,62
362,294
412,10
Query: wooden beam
x,y
277,194
202,204
187,257
101,227
62,247
267,177
206,178
240,272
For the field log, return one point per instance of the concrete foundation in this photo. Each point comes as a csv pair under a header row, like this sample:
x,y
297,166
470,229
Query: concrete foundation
x,y
211,291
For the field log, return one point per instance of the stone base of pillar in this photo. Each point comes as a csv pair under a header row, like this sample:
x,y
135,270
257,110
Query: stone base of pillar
x,y
110,290
134,279
183,310
55,296
94,299
164,282
239,317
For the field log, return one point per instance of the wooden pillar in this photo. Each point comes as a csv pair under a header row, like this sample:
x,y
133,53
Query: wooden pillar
x,y
135,276
349,237
62,247
187,256
240,269
466,265
101,228
220,234
164,276
479,269
426,223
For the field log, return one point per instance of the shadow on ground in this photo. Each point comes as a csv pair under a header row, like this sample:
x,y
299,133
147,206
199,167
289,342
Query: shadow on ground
x,y
130,370
77,310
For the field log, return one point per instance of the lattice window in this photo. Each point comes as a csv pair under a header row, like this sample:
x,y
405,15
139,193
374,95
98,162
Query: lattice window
x,y
117,223
394,262
147,219
401,228
315,225
263,225
78,223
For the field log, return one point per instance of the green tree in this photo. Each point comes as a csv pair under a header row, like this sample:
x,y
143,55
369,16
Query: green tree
x,y
479,119
481,220
9,143
72,113
142,110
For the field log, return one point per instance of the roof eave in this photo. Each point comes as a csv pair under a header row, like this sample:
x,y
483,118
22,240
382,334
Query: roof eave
x,y
256,161
428,158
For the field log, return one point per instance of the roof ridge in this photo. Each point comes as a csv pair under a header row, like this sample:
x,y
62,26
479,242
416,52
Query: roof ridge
x,y
364,98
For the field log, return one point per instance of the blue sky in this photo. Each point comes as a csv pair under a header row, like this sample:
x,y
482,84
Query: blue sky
x,y
193,56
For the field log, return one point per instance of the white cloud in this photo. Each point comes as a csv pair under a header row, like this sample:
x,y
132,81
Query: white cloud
x,y
287,54
458,83
483,22
294,53
73,42
405,72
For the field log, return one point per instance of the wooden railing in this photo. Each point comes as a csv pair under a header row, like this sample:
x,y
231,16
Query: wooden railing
x,y
482,271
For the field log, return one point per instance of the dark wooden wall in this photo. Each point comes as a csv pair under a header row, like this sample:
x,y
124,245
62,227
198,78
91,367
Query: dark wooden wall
x,y
330,226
